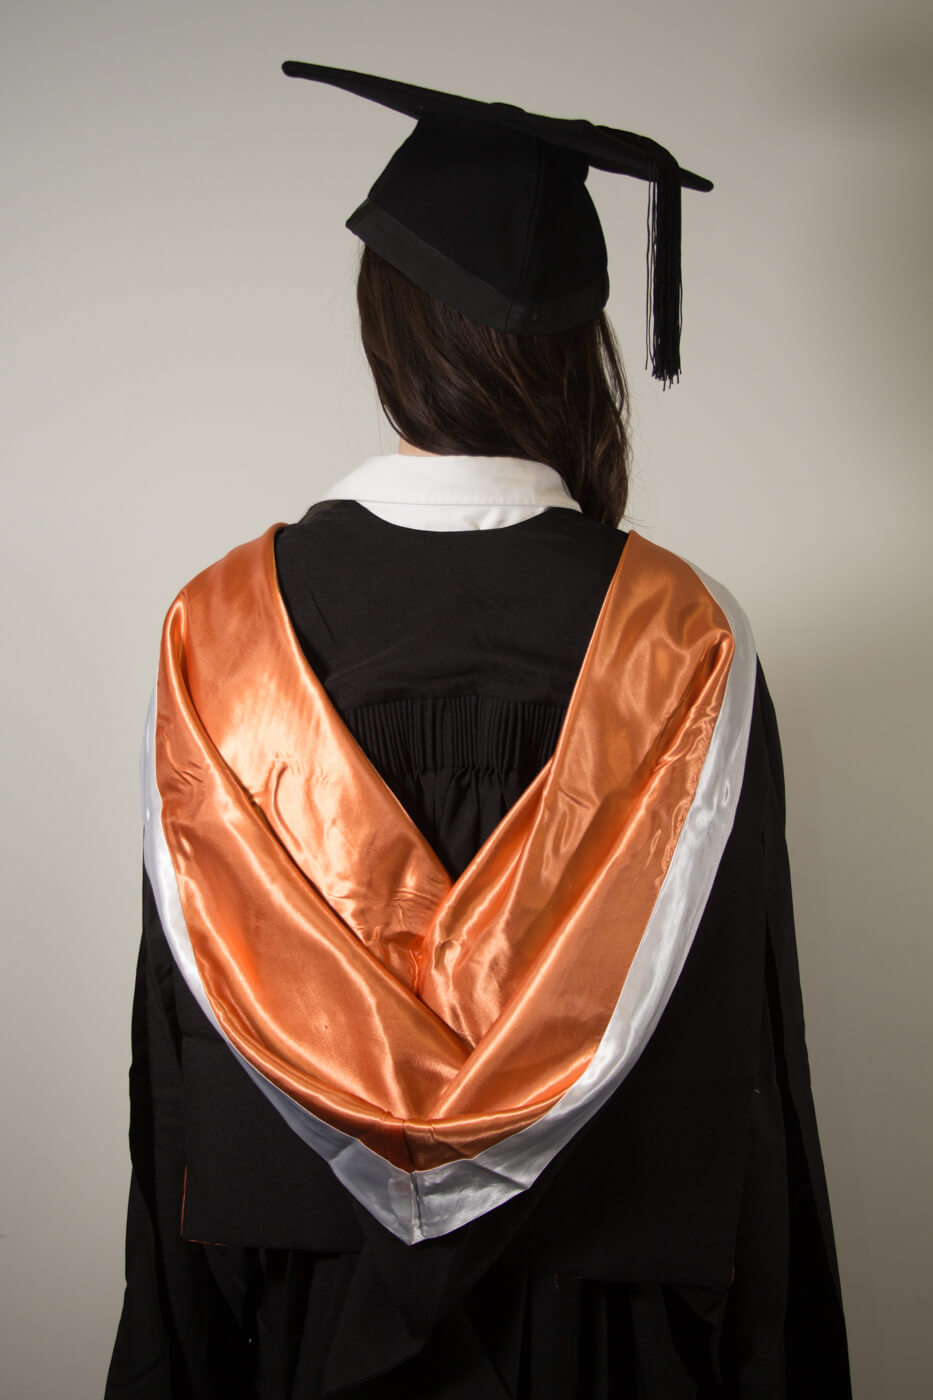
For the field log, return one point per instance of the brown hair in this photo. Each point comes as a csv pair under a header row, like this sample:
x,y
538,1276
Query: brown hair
x,y
450,385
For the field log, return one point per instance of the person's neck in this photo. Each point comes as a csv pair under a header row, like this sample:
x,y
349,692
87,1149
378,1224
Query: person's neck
x,y
407,450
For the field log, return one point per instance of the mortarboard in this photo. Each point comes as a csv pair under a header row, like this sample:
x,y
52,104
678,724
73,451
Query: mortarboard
x,y
485,206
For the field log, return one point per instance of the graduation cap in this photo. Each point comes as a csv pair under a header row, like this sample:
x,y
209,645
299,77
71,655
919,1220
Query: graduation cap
x,y
485,206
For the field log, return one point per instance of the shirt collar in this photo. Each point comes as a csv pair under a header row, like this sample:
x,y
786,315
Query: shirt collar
x,y
453,492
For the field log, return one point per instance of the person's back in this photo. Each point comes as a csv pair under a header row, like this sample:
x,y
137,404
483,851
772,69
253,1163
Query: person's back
x,y
468,1051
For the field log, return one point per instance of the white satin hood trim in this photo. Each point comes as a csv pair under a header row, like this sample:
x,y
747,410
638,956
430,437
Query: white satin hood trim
x,y
453,493
425,1204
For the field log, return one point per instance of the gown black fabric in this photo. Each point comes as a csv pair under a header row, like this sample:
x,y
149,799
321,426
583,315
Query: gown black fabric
x,y
679,1247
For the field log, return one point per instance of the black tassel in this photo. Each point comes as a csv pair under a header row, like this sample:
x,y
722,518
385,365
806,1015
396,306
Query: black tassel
x,y
665,298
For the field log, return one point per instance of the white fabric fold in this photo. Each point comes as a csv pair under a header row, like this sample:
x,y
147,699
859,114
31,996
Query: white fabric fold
x,y
453,492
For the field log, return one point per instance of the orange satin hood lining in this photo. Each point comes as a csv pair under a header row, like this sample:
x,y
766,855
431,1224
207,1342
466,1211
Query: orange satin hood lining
x,y
427,1019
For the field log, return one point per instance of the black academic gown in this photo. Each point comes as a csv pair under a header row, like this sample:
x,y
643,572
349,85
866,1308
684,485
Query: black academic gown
x,y
680,1246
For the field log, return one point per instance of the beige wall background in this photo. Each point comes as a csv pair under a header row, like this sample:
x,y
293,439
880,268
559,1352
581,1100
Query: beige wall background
x,y
181,368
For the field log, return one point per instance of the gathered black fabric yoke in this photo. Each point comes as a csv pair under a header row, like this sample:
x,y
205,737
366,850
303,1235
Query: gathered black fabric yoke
x,y
450,655
679,1246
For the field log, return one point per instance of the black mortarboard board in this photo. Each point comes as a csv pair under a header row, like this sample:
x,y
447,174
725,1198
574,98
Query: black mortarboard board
x,y
486,207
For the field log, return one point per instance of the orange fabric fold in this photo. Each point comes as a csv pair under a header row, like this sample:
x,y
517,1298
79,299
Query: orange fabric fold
x,y
429,1019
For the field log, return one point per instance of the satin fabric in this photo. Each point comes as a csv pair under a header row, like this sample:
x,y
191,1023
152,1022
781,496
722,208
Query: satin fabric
x,y
427,1020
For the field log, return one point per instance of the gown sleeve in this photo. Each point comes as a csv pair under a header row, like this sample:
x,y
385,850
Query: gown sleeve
x,y
177,1337
784,1329
815,1343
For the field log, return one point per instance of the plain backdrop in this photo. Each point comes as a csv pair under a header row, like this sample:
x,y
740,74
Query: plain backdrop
x,y
181,368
